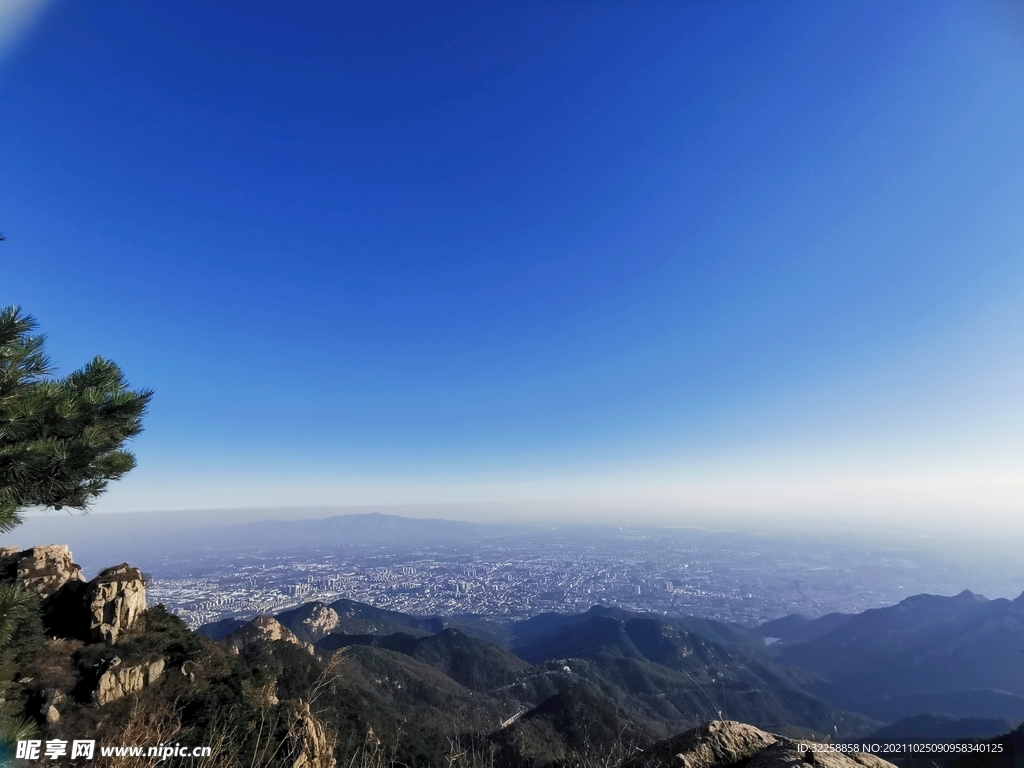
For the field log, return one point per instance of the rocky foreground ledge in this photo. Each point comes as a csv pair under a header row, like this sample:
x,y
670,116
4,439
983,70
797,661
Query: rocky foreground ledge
x,y
725,743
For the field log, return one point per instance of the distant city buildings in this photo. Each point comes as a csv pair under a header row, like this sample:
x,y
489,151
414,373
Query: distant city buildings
x,y
746,585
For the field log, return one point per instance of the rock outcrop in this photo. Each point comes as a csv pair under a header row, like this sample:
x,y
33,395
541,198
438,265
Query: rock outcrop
x,y
101,610
717,743
43,570
84,622
263,628
310,740
320,622
724,743
52,698
116,599
786,753
120,679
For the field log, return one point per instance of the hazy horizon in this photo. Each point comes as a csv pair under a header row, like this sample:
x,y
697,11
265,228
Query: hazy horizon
x,y
976,548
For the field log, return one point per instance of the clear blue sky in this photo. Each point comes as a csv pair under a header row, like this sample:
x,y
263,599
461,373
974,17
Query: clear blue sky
x,y
758,256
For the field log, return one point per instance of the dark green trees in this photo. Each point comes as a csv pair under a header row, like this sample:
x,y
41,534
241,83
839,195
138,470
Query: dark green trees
x,y
61,439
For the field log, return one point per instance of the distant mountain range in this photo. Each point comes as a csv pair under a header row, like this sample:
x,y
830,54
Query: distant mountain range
x,y
361,530
545,625
957,655
930,728
1008,753
573,678
936,664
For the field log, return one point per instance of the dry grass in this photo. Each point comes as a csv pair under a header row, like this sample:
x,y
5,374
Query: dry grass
x,y
150,723
308,743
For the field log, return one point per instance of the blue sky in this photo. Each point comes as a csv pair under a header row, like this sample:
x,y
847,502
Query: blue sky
x,y
674,258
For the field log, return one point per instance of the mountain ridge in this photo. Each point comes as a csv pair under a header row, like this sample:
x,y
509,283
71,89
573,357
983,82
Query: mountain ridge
x,y
958,655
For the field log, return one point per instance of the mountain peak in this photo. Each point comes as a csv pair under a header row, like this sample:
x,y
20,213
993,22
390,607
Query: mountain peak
x,y
262,627
967,595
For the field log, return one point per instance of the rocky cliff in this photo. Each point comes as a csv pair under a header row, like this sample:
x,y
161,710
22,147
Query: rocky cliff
x,y
116,600
96,613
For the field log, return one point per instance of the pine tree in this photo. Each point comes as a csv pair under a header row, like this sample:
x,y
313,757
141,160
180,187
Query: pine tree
x,y
61,442
61,439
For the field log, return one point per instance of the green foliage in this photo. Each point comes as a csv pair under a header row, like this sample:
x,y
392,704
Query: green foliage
x,y
16,603
17,608
61,439
166,635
